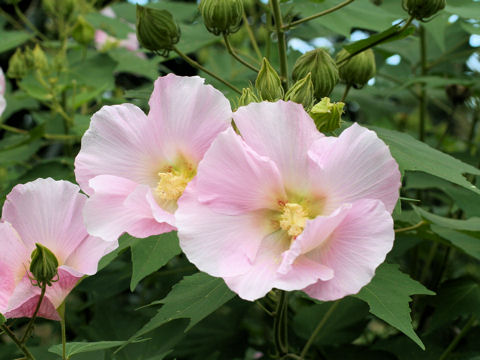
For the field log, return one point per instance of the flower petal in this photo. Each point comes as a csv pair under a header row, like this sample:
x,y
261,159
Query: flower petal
x,y
219,244
48,212
359,243
281,131
356,165
120,205
187,115
233,179
86,256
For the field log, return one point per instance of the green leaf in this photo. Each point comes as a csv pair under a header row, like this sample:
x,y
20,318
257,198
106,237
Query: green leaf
x,y
194,297
12,39
472,224
74,348
129,62
468,243
150,254
388,295
415,155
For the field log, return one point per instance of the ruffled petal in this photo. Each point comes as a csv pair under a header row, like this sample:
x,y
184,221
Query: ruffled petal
x,y
187,115
233,179
120,205
356,165
354,249
86,256
218,244
48,212
283,132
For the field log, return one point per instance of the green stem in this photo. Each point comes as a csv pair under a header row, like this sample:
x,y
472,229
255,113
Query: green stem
x,y
28,23
457,338
235,56
22,347
282,43
252,37
345,93
317,329
423,91
205,70
315,16
34,316
268,41
409,228
279,325
61,311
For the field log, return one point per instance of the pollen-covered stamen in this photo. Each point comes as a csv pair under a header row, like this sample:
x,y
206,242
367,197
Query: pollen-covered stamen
x,y
172,183
293,219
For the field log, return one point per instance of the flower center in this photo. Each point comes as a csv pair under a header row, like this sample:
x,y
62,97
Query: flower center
x,y
293,219
172,183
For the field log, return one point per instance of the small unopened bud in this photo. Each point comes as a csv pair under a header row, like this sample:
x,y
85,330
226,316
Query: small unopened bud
x,y
324,72
222,16
44,265
39,58
248,96
156,29
327,115
268,83
29,59
302,92
357,70
423,9
83,32
17,67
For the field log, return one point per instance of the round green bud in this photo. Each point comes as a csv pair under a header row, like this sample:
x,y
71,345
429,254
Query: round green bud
x,y
39,58
324,71
222,16
248,96
82,31
327,115
156,29
268,83
302,92
357,70
423,9
17,66
44,265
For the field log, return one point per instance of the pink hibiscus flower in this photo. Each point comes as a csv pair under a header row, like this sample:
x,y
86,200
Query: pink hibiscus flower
x,y
47,212
3,103
282,206
135,167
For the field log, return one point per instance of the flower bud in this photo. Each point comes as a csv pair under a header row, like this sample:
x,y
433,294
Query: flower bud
x,y
44,265
29,59
302,92
17,67
423,9
82,31
357,70
248,96
327,115
268,83
323,69
40,61
222,16
156,29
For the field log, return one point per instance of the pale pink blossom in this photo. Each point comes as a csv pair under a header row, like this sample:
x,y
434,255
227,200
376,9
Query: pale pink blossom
x,y
3,103
47,212
282,206
135,167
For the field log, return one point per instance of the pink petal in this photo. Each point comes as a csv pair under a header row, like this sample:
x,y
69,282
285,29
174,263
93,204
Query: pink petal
x,y
48,212
283,132
120,205
233,179
86,256
356,165
120,142
3,103
219,244
131,42
187,115
108,12
353,250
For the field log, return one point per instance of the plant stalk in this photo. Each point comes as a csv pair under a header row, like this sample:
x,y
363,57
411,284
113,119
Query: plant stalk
x,y
315,16
423,91
34,316
236,57
22,347
282,43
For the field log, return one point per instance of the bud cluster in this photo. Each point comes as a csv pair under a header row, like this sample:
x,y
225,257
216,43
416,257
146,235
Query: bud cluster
x,y
23,61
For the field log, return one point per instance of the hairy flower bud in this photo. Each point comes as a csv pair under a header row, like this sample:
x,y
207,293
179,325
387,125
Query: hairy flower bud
x,y
302,92
268,83
39,58
17,66
327,115
156,29
222,16
248,96
44,265
83,32
357,70
423,9
323,69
